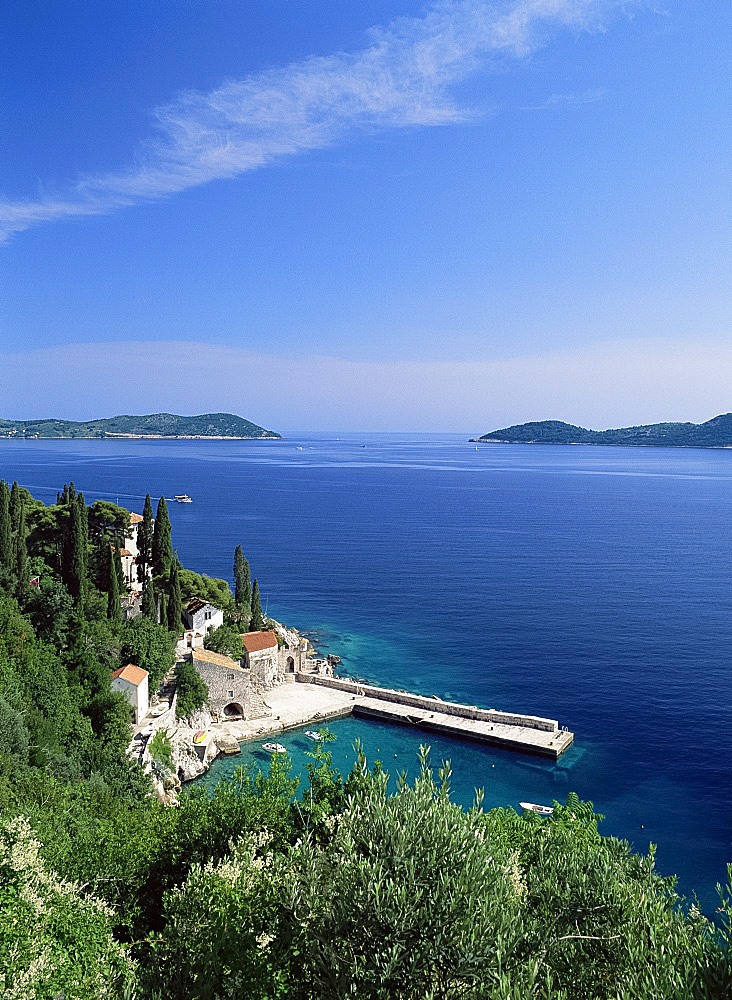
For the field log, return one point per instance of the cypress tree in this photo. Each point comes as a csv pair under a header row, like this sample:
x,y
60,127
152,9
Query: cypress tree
x,y
149,609
256,621
84,520
6,533
121,585
71,493
21,550
162,547
14,507
78,553
242,579
114,611
175,603
145,532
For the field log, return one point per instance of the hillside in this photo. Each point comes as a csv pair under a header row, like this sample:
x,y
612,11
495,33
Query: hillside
x,y
714,433
153,425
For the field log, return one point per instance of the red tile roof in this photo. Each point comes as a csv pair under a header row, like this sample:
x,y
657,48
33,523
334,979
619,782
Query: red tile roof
x,y
254,642
125,552
135,518
135,675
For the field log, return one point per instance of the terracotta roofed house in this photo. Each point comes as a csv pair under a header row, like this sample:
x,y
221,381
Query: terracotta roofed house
x,y
132,682
260,656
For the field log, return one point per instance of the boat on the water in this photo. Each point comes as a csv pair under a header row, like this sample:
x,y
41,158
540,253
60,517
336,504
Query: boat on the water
x,y
182,498
312,734
200,736
273,748
533,807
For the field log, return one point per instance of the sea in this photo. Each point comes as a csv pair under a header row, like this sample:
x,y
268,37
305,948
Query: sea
x,y
589,584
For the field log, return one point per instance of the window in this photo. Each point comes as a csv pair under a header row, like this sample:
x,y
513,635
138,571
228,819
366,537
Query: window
x,y
231,677
230,694
207,615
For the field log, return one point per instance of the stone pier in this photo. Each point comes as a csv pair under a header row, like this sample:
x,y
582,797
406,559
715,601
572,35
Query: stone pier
x,y
313,699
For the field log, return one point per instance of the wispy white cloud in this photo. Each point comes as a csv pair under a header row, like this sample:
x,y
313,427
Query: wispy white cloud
x,y
557,101
404,77
607,384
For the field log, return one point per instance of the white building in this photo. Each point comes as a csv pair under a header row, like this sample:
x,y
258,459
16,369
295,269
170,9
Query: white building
x,y
130,552
198,616
132,682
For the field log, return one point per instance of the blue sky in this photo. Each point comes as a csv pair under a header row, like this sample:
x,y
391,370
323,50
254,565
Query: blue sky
x,y
384,215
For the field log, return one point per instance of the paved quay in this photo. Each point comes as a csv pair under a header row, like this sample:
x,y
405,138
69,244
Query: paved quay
x,y
314,700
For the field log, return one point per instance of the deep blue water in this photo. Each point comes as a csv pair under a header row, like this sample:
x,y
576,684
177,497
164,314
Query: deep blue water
x,y
592,585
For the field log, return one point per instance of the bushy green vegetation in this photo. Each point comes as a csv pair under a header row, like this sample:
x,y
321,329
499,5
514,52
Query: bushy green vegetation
x,y
192,690
260,893
225,639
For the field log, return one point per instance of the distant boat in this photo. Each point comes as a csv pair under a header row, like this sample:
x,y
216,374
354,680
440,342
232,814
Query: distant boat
x,y
183,498
312,734
273,748
533,807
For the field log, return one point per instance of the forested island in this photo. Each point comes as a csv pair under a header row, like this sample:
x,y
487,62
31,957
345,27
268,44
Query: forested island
x,y
151,425
354,885
714,433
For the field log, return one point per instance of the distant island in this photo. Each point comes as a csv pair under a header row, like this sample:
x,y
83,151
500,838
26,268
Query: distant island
x,y
715,433
153,425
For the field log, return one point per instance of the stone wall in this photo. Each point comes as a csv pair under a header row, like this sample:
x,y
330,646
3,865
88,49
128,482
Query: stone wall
x,y
265,668
229,686
432,704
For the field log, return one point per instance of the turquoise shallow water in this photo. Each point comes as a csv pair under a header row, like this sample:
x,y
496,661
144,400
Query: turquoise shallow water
x,y
589,584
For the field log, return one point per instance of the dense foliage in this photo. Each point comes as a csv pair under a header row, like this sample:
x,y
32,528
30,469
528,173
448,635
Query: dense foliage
x,y
152,424
254,892
192,690
225,639
714,433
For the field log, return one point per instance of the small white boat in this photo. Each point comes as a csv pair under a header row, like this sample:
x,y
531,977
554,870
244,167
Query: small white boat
x,y
312,734
533,807
273,748
182,498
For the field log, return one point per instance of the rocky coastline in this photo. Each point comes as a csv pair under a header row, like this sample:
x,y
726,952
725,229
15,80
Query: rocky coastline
x,y
190,760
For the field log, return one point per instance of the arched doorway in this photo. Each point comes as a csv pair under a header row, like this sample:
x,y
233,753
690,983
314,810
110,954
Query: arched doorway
x,y
233,710
290,665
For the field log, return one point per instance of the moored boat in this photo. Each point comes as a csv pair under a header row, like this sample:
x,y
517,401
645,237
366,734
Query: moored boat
x,y
200,736
533,807
273,748
312,734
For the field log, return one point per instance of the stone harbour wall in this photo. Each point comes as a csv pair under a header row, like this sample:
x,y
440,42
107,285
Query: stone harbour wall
x,y
432,704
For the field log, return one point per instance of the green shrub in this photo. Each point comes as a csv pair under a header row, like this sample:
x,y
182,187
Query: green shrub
x,y
192,689
161,748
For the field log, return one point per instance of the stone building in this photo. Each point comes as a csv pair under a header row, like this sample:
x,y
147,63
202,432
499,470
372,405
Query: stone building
x,y
262,660
132,682
199,616
230,691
